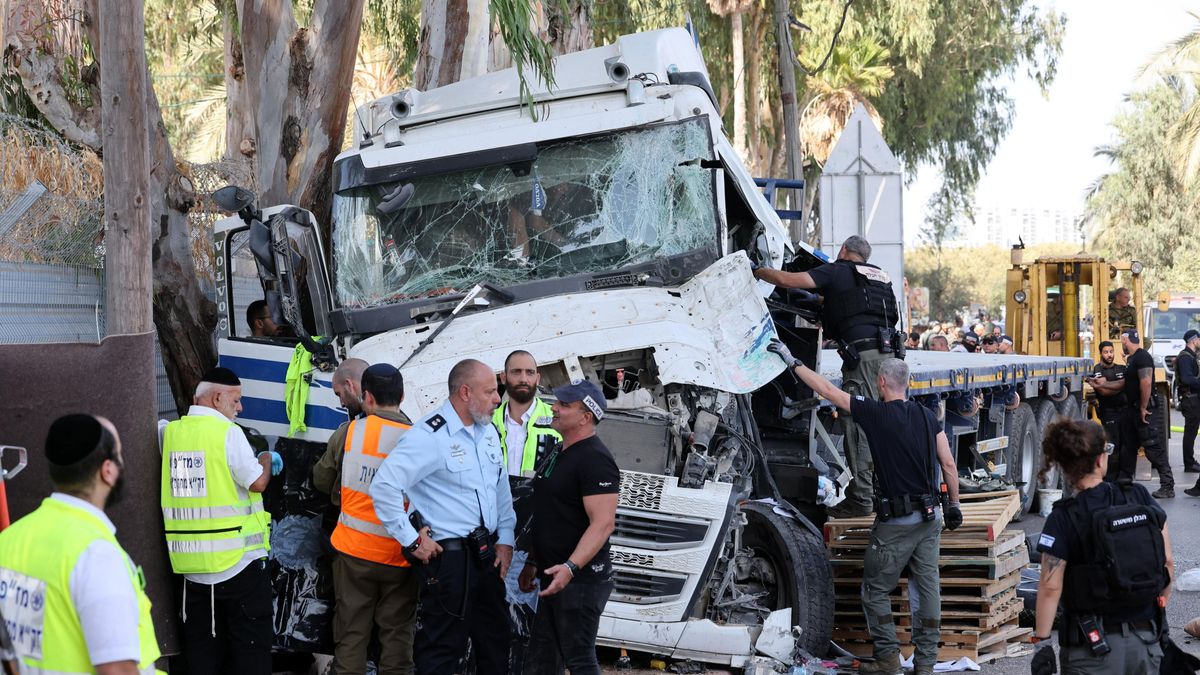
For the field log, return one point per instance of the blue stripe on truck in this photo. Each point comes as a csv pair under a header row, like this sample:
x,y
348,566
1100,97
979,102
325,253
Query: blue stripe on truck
x,y
256,369
267,410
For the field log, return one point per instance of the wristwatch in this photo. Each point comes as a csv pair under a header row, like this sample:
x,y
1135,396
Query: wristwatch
x,y
572,567
413,546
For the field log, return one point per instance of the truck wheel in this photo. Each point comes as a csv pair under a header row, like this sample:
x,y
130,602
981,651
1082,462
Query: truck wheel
x,y
796,572
1045,413
1024,453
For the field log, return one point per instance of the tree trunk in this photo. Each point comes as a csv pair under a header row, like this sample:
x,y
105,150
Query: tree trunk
x,y
239,123
454,42
566,32
298,89
739,85
126,168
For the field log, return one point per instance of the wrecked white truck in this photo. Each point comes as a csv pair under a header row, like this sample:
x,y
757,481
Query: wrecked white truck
x,y
612,239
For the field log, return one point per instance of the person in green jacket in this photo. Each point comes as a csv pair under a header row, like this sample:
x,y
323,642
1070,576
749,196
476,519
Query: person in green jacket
x,y
72,599
523,422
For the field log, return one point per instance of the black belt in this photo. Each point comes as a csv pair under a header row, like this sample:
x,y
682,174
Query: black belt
x,y
462,543
1143,624
1074,638
873,343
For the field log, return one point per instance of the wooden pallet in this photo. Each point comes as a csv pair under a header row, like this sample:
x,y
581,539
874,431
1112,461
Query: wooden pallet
x,y
982,517
951,562
981,647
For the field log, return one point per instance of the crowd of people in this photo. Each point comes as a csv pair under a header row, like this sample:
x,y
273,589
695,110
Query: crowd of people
x,y
984,337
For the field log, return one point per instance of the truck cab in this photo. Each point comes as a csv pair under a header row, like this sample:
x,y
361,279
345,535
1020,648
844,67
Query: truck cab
x,y
1172,315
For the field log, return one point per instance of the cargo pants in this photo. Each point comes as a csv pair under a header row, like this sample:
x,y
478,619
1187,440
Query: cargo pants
x,y
893,546
860,381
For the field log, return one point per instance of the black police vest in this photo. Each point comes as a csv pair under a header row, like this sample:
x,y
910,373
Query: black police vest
x,y
1118,556
1185,390
870,302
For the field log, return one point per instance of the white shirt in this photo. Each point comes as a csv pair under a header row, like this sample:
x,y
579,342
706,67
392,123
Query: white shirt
x,y
103,597
245,468
515,434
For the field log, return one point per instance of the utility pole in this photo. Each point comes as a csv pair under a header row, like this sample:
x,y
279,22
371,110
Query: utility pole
x,y
128,278
791,120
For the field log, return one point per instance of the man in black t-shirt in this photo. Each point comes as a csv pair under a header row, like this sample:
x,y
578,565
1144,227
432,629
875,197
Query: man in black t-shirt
x,y
858,309
908,447
1138,421
1108,381
574,511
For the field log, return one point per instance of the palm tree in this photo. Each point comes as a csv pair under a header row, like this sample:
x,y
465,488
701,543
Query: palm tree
x,y
1181,59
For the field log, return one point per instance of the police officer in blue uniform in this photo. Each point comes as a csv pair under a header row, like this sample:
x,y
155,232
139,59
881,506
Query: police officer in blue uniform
x,y
859,311
458,525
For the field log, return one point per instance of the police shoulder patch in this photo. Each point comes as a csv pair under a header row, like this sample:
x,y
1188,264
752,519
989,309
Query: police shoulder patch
x,y
436,422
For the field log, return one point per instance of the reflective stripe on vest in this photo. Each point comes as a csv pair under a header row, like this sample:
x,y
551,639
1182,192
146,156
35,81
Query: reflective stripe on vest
x,y
37,557
533,431
211,522
359,532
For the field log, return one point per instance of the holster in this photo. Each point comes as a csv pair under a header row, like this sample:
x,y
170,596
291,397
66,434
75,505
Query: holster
x,y
849,353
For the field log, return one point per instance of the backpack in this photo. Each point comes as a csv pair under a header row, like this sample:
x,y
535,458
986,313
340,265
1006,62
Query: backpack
x,y
1123,552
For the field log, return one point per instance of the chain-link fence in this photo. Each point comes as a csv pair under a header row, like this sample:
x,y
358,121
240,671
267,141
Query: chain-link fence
x,y
52,238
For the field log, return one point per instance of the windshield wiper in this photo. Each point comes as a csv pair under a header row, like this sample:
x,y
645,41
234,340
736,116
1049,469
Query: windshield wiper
x,y
480,294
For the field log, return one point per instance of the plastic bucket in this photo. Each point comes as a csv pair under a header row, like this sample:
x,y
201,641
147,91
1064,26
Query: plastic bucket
x,y
1046,499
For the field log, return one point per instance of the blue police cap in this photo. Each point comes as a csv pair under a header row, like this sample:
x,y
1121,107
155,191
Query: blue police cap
x,y
582,390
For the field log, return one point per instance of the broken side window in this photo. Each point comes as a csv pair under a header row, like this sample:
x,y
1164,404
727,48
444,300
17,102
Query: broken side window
x,y
582,206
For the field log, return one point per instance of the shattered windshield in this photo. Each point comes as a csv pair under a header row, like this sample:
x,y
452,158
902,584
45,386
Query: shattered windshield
x,y
582,206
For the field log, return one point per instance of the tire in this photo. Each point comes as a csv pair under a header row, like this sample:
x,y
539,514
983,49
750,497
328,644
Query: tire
x,y
1024,454
804,580
1045,412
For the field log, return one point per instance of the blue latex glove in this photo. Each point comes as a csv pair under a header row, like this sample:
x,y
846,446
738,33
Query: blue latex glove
x,y
276,462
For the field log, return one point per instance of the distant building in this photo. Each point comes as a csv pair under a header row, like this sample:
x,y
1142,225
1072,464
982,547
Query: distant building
x,y
1003,225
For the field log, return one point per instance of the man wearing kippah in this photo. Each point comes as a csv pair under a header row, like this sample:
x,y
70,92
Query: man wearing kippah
x,y
575,493
217,530
72,599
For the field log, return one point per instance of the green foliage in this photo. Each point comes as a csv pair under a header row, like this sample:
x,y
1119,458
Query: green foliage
x,y
947,105
1142,209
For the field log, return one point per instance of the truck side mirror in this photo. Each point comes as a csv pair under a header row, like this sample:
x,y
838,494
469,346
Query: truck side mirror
x,y
233,198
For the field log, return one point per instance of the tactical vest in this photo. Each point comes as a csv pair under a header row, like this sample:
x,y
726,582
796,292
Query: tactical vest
x,y
359,532
1184,390
1118,558
539,437
37,557
870,302
211,522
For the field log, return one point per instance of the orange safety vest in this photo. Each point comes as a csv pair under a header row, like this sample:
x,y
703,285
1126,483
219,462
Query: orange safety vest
x,y
359,532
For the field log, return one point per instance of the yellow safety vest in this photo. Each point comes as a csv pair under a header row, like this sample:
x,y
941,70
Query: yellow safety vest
x,y
538,425
359,532
37,555
209,524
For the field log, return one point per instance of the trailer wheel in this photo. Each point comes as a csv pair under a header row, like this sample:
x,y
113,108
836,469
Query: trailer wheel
x,y
799,564
1045,413
1024,453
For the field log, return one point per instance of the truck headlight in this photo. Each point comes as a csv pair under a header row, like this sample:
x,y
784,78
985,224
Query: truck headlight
x,y
1136,267
1020,297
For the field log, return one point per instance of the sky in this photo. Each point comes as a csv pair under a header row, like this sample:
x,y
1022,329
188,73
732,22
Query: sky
x,y
1046,160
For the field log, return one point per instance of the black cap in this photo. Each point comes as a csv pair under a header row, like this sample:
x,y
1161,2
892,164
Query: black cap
x,y
582,390
73,437
223,376
1132,334
1193,333
971,338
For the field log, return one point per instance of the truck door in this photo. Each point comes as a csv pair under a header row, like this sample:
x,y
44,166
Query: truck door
x,y
291,276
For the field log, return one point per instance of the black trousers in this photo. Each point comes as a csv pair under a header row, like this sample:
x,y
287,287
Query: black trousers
x,y
1127,451
460,599
228,627
564,632
1189,407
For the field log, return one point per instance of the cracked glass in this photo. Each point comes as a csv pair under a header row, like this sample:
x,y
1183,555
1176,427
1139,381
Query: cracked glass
x,y
583,206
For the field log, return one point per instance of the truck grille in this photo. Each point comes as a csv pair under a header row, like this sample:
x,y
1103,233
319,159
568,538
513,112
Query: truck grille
x,y
658,532
644,588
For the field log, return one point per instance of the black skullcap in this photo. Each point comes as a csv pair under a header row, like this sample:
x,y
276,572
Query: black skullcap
x,y
73,437
223,376
383,370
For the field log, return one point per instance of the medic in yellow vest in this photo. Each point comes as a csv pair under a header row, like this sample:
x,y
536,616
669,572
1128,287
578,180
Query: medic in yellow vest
x,y
72,599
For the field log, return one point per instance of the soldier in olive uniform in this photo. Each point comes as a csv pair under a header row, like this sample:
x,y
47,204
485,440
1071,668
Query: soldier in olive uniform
x,y
1122,316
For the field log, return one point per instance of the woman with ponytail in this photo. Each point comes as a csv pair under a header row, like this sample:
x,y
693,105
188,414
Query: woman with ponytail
x,y
1106,555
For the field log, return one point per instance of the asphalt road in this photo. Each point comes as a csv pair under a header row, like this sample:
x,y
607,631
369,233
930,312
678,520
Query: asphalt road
x,y
1183,515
